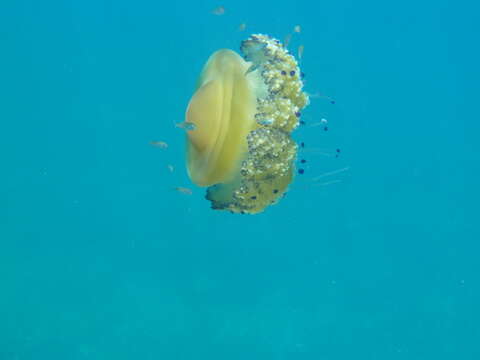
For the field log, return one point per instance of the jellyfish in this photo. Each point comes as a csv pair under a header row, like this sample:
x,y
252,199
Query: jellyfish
x,y
244,110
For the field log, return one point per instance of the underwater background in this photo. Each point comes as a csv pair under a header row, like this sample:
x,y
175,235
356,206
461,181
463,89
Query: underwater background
x,y
100,256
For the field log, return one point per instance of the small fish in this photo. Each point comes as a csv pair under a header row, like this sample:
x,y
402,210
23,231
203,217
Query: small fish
x,y
220,10
185,125
322,122
255,52
159,144
170,168
320,96
184,190
265,122
297,29
300,52
252,68
242,27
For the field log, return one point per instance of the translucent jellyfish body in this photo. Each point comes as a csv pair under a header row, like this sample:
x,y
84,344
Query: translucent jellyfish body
x,y
244,111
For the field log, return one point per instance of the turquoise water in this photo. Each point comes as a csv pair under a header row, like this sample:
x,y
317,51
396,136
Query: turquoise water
x,y
101,259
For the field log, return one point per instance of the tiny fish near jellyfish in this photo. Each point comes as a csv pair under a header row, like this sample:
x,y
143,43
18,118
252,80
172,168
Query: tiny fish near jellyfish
x,y
244,111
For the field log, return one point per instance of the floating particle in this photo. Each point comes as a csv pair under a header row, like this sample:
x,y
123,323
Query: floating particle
x,y
220,10
287,39
159,144
303,161
297,29
324,121
170,168
184,190
242,27
301,171
185,125
325,128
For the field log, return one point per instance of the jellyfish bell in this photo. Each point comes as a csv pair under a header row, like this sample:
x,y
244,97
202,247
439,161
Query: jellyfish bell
x,y
223,112
247,164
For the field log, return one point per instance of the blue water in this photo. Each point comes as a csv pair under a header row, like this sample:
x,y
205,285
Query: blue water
x,y
101,259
